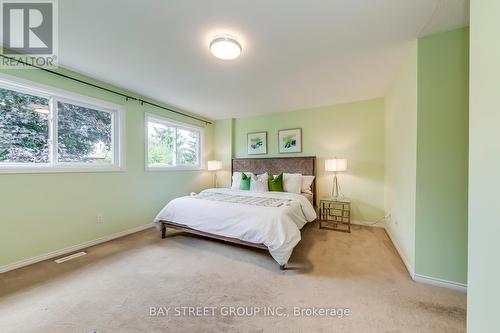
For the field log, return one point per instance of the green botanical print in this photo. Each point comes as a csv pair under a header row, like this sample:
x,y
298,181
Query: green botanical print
x,y
289,141
256,142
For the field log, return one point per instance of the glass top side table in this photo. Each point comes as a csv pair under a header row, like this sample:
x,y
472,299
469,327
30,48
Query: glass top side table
x,y
335,214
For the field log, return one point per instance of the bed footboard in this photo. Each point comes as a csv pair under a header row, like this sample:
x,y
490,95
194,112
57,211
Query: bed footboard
x,y
181,227
165,224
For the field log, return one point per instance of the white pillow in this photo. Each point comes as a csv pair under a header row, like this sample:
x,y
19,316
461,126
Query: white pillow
x,y
259,183
306,184
235,185
292,182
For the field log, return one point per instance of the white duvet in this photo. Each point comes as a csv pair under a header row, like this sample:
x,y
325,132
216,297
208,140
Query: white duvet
x,y
276,227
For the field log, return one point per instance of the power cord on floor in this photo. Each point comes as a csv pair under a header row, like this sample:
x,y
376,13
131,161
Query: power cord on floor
x,y
384,218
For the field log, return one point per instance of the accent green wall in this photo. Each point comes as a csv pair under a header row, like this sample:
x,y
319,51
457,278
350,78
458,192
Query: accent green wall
x,y
426,112
442,155
484,165
354,131
40,213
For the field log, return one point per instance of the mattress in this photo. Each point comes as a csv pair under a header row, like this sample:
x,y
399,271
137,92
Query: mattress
x,y
308,196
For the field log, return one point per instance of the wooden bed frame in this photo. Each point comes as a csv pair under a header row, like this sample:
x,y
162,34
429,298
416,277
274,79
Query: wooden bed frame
x,y
273,166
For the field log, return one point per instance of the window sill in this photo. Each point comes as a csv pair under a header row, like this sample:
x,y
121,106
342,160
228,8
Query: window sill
x,y
60,169
174,168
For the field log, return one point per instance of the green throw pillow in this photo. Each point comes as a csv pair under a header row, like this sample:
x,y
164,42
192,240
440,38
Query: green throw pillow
x,y
276,183
245,182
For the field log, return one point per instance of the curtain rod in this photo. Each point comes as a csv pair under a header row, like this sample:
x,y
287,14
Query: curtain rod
x,y
127,97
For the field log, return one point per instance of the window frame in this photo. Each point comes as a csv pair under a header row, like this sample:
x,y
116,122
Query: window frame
x,y
55,95
172,123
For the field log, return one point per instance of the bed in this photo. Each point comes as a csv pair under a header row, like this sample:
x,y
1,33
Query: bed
x,y
266,220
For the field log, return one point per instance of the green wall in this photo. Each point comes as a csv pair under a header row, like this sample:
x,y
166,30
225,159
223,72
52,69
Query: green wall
x,y
354,131
442,155
484,165
40,213
426,116
401,158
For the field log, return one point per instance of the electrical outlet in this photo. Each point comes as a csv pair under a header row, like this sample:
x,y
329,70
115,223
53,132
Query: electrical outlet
x,y
391,219
99,219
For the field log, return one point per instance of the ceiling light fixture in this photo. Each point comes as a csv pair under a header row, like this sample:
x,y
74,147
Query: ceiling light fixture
x,y
225,47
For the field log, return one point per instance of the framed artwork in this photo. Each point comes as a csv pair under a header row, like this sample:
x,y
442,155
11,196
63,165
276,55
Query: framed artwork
x,y
290,140
257,143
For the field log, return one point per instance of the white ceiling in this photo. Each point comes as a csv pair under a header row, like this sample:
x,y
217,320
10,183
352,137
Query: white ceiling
x,y
296,53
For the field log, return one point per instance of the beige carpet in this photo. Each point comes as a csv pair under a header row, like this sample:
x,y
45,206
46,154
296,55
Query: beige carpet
x,y
113,287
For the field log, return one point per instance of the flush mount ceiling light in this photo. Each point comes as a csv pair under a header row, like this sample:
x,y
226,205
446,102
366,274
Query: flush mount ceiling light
x,y
225,47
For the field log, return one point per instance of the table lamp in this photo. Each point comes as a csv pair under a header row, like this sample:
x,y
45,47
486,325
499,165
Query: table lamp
x,y
214,166
336,165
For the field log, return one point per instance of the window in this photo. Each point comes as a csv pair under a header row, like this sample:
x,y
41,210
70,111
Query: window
x,y
172,145
24,128
43,129
84,135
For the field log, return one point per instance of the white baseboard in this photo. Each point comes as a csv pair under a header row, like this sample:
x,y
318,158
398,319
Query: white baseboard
x,y
441,283
72,248
422,278
409,268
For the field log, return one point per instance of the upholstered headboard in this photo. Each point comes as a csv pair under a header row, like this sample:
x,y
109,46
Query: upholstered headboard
x,y
274,165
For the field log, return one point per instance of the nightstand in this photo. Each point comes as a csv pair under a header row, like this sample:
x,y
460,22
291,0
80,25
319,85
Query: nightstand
x,y
335,214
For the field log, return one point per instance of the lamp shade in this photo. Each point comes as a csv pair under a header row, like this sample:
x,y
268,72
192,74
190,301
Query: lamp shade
x,y
336,164
214,165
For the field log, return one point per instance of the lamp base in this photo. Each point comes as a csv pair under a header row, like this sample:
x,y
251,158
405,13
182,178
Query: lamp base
x,y
336,192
